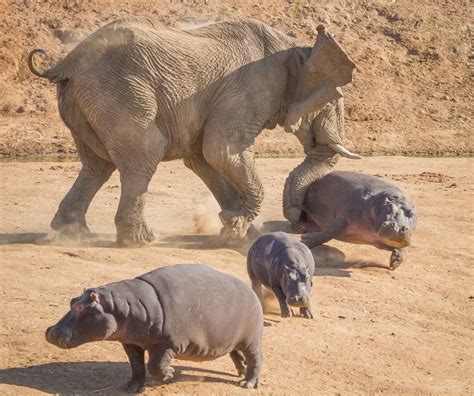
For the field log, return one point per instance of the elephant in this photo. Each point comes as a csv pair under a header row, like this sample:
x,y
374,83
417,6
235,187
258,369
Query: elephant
x,y
322,136
136,92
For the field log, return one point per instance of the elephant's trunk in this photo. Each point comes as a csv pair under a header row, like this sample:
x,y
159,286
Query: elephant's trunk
x,y
314,167
321,135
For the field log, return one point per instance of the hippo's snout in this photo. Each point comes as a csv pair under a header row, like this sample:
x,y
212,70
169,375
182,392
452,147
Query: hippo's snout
x,y
60,337
298,301
395,235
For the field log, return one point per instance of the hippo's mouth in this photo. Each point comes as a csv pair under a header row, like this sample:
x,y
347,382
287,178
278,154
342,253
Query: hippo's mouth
x,y
297,303
396,241
61,339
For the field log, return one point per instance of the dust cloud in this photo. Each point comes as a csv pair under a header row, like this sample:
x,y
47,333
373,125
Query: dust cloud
x,y
206,219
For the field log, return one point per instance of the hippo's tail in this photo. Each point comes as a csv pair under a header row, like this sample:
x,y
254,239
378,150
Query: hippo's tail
x,y
54,74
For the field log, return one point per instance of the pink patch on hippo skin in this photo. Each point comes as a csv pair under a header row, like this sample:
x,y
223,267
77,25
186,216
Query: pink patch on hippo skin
x,y
357,233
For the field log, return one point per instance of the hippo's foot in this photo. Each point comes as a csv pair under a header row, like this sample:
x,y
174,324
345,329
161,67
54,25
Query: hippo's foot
x,y
135,235
134,386
249,384
304,227
286,313
235,226
165,375
306,313
397,257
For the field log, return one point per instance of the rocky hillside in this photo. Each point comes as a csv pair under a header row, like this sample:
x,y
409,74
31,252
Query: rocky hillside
x,y
413,92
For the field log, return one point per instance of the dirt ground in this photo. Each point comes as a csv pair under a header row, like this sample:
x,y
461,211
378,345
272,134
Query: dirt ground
x,y
412,94
374,331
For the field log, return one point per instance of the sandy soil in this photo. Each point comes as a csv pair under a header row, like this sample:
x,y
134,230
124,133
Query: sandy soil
x,y
413,92
407,331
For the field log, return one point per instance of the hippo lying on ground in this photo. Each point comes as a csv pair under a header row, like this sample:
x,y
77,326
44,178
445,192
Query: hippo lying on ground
x,y
286,266
187,312
358,208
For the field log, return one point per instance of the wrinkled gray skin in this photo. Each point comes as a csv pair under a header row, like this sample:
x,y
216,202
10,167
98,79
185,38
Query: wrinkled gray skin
x,y
286,266
135,93
358,208
322,136
187,312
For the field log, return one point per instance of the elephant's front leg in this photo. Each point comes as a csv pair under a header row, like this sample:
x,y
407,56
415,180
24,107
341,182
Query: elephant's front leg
x,y
241,173
236,163
226,196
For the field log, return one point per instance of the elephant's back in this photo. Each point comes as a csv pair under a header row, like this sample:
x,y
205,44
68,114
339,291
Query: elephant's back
x,y
133,44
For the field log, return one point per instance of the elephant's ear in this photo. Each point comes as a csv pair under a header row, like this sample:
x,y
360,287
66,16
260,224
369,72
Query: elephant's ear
x,y
330,60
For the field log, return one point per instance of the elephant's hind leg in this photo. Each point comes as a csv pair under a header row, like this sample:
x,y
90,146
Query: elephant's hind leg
x,y
137,159
70,218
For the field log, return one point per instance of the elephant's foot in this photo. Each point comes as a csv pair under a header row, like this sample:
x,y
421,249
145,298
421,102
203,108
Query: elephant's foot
x,y
235,225
134,235
71,226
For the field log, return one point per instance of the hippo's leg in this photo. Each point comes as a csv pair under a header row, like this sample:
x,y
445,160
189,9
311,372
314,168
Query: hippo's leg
x,y
258,289
159,363
333,230
284,308
397,257
253,357
306,312
239,361
304,225
136,356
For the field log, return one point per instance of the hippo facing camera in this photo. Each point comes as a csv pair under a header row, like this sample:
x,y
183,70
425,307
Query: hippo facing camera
x,y
286,266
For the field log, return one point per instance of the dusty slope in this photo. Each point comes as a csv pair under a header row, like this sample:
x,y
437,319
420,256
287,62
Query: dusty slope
x,y
408,331
413,93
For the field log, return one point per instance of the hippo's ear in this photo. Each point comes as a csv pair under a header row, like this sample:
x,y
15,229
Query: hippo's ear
x,y
73,301
95,299
104,300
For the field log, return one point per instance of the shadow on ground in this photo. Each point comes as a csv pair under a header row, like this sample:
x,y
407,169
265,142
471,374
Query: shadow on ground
x,y
330,261
96,377
56,239
202,242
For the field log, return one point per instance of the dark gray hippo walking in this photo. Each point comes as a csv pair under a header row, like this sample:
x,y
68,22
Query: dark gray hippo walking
x,y
286,266
186,311
358,208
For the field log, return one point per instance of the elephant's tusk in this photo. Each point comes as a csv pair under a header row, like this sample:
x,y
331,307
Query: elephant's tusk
x,y
338,148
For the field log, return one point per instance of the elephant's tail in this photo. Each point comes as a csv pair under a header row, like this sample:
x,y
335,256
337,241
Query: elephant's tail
x,y
54,74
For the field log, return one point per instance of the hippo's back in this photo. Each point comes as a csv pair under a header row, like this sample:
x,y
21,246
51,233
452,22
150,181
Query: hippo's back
x,y
344,182
342,193
205,310
275,245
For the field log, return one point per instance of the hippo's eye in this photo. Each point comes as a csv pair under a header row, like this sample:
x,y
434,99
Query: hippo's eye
x,y
79,308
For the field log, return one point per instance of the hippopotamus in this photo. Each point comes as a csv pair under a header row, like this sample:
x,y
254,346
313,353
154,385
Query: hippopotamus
x,y
185,311
358,208
286,266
